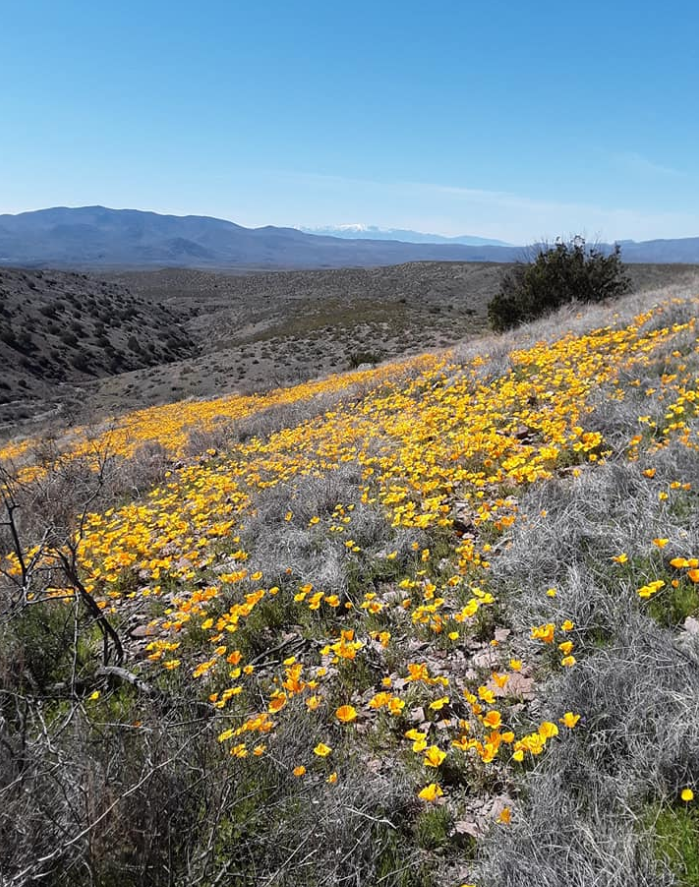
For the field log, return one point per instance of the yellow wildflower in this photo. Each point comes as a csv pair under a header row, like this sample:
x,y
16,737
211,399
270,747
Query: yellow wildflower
x,y
346,714
430,793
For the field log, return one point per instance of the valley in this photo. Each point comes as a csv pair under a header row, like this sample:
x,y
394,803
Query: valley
x,y
79,347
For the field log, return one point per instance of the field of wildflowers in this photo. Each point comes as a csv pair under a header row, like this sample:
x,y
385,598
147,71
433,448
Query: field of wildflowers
x,y
380,631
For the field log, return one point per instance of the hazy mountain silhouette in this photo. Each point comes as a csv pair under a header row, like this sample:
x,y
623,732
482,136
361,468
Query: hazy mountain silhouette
x,y
373,232
95,236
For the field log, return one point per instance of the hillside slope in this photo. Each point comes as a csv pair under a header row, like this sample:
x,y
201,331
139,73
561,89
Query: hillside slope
x,y
240,333
60,330
416,625
264,330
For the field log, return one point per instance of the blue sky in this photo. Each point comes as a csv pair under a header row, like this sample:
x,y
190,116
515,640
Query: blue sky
x,y
515,120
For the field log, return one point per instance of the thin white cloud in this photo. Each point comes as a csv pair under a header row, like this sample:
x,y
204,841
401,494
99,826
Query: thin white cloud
x,y
256,197
505,215
636,163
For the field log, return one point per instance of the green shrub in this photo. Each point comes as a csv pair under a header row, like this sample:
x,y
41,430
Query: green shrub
x,y
566,272
360,358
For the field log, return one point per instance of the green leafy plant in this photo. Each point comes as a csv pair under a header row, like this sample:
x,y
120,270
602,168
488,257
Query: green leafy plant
x,y
566,272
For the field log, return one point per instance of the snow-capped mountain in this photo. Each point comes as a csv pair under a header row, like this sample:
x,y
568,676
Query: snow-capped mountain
x,y
96,236
373,232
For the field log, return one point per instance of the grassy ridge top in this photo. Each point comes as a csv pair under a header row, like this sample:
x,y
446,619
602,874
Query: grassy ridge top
x,y
375,592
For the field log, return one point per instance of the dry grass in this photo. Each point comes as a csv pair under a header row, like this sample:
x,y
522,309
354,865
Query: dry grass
x,y
123,776
584,817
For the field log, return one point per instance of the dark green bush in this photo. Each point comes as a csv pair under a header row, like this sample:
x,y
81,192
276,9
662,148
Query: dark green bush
x,y
359,358
566,272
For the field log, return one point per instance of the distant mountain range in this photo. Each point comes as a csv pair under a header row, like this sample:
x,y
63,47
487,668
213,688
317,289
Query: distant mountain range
x,y
97,237
372,232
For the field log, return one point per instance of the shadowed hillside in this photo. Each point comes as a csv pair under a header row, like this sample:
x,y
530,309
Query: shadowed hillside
x,y
59,331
